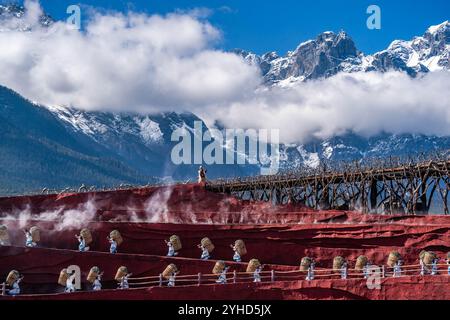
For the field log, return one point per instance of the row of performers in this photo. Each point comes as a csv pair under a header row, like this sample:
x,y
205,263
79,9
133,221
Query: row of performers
x,y
32,238
206,246
428,263
67,277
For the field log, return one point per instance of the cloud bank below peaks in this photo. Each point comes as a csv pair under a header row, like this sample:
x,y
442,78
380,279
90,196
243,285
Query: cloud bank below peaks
x,y
363,103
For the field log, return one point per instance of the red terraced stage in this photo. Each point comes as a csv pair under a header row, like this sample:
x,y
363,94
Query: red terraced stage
x,y
279,236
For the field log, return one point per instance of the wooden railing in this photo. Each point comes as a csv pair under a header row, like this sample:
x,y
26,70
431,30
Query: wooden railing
x,y
272,276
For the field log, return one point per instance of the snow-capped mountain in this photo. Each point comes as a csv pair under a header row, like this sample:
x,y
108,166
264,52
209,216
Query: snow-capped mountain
x,y
59,147
55,146
37,150
142,141
430,52
331,53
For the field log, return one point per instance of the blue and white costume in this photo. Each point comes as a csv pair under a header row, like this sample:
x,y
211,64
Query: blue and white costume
x,y
236,256
423,268
344,271
205,254
113,247
171,282
82,246
222,277
29,240
15,288
398,269
171,252
448,268
434,267
310,275
124,282
257,275
97,285
366,271
70,287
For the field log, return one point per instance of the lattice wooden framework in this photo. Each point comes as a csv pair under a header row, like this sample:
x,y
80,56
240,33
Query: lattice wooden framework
x,y
388,186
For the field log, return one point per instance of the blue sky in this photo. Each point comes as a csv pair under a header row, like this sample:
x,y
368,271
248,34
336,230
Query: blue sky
x,y
262,26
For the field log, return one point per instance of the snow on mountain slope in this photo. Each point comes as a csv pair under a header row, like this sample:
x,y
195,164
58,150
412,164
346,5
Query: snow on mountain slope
x,y
141,141
430,52
97,124
150,130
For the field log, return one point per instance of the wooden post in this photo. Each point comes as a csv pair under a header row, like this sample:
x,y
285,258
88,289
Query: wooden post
x,y
383,273
373,195
234,276
272,275
160,280
199,278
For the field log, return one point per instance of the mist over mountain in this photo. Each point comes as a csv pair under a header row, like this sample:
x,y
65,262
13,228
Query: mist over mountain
x,y
58,147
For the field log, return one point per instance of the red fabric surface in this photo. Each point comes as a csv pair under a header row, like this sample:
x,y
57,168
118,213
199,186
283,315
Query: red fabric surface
x,y
277,235
41,266
411,288
269,243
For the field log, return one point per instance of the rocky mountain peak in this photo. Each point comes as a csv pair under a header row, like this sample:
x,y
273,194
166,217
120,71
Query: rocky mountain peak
x,y
312,59
331,43
442,29
269,56
330,53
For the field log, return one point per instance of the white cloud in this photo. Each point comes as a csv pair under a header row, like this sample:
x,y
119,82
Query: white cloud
x,y
133,61
365,103
137,62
